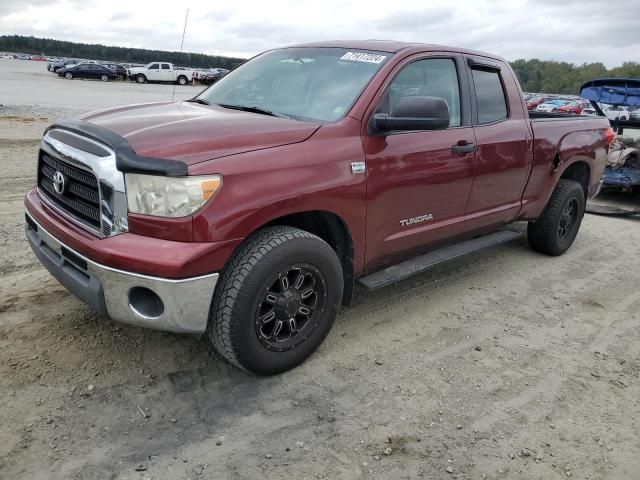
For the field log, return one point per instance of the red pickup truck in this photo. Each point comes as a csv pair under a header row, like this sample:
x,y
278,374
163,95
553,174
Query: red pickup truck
x,y
249,212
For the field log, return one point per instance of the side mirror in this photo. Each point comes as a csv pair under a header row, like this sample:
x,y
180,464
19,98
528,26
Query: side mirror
x,y
414,113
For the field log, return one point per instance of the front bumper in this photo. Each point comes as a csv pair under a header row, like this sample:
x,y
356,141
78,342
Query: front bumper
x,y
176,305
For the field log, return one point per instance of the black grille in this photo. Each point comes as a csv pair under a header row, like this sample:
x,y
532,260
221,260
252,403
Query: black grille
x,y
73,258
80,197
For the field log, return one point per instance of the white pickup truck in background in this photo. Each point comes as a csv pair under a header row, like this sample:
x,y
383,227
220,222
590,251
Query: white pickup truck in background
x,y
160,72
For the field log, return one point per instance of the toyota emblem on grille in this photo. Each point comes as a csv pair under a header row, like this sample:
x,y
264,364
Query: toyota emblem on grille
x,y
58,182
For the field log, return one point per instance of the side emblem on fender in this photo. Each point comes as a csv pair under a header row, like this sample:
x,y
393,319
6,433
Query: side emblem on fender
x,y
358,167
422,218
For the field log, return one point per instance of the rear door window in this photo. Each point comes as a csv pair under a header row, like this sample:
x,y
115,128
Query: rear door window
x,y
491,103
165,66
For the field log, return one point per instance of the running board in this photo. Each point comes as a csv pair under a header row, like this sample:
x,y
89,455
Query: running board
x,y
420,264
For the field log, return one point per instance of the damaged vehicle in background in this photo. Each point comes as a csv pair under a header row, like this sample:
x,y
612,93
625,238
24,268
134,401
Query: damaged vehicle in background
x,y
620,98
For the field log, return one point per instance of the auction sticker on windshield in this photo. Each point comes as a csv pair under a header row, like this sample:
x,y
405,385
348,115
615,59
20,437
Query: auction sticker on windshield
x,y
363,57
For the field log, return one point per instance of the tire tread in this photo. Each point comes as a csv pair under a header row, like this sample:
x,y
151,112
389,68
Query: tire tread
x,y
229,290
542,234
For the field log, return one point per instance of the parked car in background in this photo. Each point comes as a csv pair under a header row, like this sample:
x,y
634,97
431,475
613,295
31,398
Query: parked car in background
x,y
69,62
161,72
552,105
88,70
614,112
634,113
534,101
572,107
84,62
211,76
120,70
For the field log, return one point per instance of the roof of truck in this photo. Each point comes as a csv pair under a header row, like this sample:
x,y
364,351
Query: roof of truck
x,y
392,46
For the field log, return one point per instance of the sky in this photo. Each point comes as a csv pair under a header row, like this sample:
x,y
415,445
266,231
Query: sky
x,y
576,31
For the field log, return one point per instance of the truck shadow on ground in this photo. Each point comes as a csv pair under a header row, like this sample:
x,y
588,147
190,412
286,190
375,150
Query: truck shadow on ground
x,y
171,405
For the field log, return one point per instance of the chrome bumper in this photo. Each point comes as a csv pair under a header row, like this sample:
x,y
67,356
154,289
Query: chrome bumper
x,y
152,302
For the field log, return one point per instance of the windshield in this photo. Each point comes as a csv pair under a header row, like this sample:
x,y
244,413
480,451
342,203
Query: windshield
x,y
304,83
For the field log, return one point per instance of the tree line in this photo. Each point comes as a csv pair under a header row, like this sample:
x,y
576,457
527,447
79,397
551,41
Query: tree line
x,y
535,75
561,77
59,48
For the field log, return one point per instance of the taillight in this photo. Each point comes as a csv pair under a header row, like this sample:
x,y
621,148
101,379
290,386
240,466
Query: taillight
x,y
609,135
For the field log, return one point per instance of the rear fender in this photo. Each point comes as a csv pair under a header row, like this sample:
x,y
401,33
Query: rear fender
x,y
551,163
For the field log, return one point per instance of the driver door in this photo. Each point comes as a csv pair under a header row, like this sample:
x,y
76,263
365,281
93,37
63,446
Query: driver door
x,y
418,182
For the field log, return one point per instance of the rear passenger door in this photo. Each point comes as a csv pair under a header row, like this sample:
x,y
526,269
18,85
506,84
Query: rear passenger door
x,y
503,145
166,73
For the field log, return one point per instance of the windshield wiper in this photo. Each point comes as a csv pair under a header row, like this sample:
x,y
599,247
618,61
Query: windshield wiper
x,y
252,109
201,101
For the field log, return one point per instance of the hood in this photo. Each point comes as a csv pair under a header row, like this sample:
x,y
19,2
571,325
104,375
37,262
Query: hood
x,y
192,133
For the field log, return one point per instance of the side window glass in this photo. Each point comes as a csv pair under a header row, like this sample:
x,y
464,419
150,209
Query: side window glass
x,y
434,77
490,98
154,66
165,66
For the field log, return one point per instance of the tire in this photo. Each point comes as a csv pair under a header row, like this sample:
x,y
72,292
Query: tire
x,y
182,80
141,78
68,76
104,77
556,228
251,288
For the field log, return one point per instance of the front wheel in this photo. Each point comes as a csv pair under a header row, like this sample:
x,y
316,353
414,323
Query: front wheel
x,y
141,79
556,229
104,77
276,300
68,76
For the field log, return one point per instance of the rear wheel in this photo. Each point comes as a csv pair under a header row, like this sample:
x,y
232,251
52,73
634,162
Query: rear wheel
x,y
68,76
182,80
276,300
141,79
104,77
556,229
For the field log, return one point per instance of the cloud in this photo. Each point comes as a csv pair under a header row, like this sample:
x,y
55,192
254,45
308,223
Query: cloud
x,y
116,17
570,30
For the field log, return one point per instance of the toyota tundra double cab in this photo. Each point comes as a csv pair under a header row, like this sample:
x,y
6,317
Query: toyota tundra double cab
x,y
248,213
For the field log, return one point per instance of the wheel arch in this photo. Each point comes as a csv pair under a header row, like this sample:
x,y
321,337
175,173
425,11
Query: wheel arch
x,y
578,171
331,228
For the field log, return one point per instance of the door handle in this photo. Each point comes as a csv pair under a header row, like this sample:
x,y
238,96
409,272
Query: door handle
x,y
462,148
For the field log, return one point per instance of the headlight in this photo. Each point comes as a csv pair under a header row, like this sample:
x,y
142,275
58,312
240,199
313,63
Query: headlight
x,y
169,196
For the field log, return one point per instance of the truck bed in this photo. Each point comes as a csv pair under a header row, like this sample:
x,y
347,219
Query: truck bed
x,y
546,116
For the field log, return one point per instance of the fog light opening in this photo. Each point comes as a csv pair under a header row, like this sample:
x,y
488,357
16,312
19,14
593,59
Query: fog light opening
x,y
145,302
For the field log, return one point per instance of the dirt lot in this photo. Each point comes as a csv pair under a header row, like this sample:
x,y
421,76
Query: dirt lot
x,y
507,364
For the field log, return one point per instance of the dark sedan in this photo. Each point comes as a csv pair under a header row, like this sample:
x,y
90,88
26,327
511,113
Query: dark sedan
x,y
88,70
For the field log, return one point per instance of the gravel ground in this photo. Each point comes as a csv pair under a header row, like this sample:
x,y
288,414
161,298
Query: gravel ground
x,y
503,365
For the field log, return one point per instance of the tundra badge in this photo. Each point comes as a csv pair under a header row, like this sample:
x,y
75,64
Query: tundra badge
x,y
422,218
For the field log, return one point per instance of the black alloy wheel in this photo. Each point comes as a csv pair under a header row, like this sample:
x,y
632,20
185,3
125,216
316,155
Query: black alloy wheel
x,y
568,218
289,309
